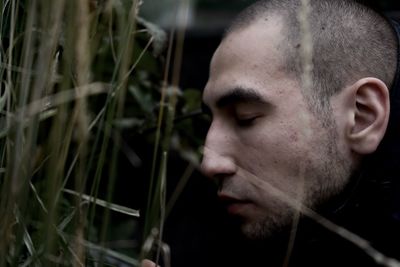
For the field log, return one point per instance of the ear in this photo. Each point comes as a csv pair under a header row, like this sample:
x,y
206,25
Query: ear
x,y
369,110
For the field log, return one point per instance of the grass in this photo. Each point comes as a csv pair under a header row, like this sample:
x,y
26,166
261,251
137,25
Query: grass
x,y
69,72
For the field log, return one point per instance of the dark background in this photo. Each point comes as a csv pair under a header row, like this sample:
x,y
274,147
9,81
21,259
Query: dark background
x,y
209,19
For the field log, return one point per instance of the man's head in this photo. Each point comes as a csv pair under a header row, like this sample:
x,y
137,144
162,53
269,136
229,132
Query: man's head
x,y
272,143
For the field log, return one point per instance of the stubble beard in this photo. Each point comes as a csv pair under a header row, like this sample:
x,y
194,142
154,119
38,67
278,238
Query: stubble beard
x,y
268,226
329,179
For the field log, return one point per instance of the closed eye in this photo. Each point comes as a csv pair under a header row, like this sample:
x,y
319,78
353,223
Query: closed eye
x,y
246,121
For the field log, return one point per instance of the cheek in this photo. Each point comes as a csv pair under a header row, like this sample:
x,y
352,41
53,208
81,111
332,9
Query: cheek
x,y
276,154
281,157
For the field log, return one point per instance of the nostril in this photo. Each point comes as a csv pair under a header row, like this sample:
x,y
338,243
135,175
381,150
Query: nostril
x,y
218,180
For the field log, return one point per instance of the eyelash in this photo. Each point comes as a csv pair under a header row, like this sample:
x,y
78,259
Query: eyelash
x,y
245,122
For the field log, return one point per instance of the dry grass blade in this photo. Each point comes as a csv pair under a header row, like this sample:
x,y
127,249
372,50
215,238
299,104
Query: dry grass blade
x,y
99,250
105,204
179,188
163,192
28,241
38,198
66,96
169,101
45,106
4,97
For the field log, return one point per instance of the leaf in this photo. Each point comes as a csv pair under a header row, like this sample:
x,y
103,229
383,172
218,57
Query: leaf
x,y
128,123
192,100
144,100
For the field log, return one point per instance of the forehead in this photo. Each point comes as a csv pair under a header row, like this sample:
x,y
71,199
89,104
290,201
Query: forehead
x,y
249,57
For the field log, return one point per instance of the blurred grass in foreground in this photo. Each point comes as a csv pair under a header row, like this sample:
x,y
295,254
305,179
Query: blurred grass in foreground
x,y
74,76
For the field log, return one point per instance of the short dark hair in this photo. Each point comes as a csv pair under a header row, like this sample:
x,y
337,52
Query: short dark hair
x,y
350,41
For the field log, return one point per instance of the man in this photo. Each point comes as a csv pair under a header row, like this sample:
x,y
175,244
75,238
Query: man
x,y
308,171
279,150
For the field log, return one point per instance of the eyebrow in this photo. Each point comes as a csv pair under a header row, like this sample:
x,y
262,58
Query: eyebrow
x,y
240,95
235,96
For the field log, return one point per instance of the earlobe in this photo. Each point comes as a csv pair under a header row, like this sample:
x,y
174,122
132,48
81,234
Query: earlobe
x,y
370,109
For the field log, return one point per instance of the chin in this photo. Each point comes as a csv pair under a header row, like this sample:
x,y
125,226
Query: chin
x,y
256,231
266,228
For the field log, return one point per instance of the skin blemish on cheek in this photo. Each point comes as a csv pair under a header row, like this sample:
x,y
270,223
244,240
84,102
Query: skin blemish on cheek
x,y
280,92
294,137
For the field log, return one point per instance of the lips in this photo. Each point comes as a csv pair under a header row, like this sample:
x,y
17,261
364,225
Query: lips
x,y
234,206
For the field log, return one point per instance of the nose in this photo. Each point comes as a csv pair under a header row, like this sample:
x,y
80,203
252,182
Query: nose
x,y
218,159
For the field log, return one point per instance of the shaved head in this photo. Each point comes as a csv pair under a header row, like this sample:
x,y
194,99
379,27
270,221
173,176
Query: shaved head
x,y
350,41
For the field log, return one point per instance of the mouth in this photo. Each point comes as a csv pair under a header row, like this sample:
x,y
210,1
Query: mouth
x,y
233,205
